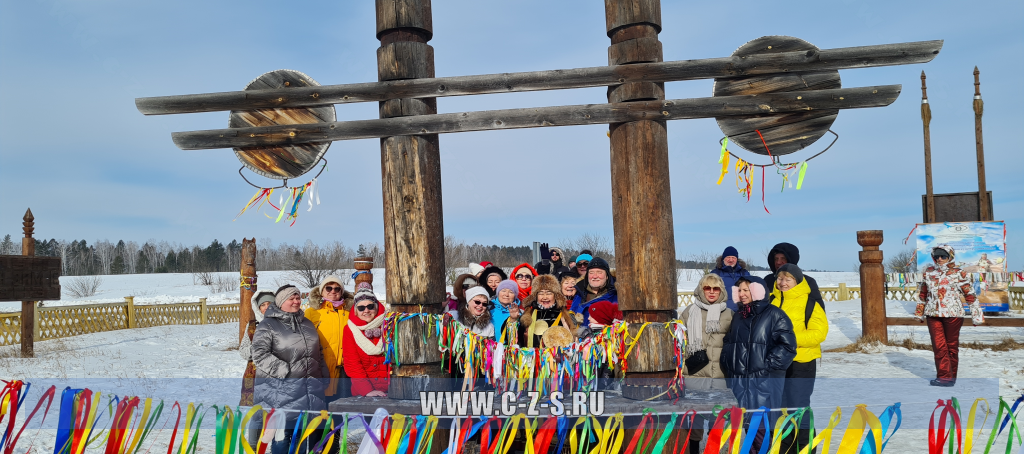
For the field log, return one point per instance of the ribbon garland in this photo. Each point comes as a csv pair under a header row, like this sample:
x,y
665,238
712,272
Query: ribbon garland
x,y
744,170
289,204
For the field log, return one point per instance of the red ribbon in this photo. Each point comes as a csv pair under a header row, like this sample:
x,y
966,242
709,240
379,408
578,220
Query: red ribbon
x,y
47,395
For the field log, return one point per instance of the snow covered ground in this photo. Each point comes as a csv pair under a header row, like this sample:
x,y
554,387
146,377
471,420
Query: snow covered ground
x,y
201,364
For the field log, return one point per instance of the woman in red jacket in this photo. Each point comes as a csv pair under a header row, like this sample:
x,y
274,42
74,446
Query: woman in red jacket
x,y
364,347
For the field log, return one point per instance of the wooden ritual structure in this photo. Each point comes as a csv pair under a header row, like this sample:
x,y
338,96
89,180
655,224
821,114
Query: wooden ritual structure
x,y
28,279
782,88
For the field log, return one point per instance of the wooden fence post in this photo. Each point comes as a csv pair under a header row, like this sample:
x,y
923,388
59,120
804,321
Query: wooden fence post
x,y
247,286
844,293
131,311
872,286
203,311
411,183
644,245
28,308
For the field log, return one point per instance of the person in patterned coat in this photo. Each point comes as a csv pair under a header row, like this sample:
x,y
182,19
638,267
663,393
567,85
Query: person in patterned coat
x,y
942,294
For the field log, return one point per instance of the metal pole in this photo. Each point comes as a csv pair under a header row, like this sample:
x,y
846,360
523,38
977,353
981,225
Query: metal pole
x,y
979,107
536,252
926,118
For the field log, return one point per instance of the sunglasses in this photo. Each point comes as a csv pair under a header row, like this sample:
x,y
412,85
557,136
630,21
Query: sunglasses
x,y
331,288
708,289
582,264
364,308
524,276
478,303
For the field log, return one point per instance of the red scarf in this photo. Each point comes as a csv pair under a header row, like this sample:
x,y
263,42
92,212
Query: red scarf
x,y
523,292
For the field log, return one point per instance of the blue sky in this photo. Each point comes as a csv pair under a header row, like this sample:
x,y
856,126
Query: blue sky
x,y
74,148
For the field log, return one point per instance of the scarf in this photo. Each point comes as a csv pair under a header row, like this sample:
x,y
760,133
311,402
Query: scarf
x,y
337,304
365,344
696,336
747,310
524,292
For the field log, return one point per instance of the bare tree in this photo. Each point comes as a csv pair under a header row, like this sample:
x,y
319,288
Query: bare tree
x,y
82,286
904,261
598,245
454,258
312,263
105,253
131,256
62,249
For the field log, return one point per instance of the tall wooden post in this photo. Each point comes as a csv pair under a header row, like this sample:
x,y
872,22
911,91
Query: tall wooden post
x,y
28,308
979,108
411,179
247,286
641,201
872,285
926,118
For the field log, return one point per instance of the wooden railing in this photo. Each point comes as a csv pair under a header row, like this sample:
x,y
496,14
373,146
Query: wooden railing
x,y
894,293
66,321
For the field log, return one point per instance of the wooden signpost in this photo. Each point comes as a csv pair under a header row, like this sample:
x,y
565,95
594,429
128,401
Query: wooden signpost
x,y
28,279
785,88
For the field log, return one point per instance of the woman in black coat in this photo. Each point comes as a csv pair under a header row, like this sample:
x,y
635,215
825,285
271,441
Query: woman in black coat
x,y
759,347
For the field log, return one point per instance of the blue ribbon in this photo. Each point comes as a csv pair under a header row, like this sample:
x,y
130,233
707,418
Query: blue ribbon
x,y
66,421
760,418
886,416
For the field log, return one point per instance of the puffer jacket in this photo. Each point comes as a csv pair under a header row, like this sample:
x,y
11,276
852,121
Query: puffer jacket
x,y
711,376
729,275
330,325
756,353
289,362
792,254
809,333
500,313
939,293
580,304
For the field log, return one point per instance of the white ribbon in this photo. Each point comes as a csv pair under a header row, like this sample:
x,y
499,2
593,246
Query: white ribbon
x,y
312,188
367,446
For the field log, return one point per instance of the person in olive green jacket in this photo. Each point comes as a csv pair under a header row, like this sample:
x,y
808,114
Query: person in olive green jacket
x,y
792,295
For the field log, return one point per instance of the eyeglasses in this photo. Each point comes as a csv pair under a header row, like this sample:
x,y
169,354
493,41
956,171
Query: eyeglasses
x,y
364,308
582,264
709,289
331,288
524,276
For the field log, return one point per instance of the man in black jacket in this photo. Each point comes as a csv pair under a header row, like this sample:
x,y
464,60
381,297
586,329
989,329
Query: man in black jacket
x,y
782,254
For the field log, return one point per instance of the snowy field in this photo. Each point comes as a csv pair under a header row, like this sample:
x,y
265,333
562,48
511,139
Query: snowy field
x,y
201,364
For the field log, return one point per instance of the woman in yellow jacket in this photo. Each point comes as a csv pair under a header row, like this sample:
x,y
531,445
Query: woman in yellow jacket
x,y
330,317
791,295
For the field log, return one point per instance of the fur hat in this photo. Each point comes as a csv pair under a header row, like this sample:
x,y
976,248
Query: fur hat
x,y
258,299
507,284
364,292
549,283
475,269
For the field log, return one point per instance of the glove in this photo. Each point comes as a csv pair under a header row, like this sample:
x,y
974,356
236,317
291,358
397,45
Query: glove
x,y
545,253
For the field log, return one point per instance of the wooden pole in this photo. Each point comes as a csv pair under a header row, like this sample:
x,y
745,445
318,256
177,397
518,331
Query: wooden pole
x,y
644,244
979,108
872,285
28,308
926,118
411,168
247,287
130,307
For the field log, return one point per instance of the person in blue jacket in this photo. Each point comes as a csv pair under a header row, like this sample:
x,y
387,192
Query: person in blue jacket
x,y
730,268
598,285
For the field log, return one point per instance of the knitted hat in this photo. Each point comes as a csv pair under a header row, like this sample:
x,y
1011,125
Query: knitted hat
x,y
792,269
583,258
475,269
475,291
258,299
508,284
486,264
730,252
329,279
599,263
285,292
364,292
604,312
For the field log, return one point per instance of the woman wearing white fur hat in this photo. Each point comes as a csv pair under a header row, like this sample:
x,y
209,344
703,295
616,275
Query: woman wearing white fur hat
x,y
260,302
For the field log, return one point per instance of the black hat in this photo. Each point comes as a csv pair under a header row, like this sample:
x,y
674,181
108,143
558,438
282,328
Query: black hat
x,y
792,269
599,263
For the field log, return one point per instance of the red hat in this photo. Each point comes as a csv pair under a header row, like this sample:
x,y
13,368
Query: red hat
x,y
605,312
486,264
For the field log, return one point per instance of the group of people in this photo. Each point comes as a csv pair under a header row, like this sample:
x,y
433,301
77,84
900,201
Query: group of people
x,y
760,338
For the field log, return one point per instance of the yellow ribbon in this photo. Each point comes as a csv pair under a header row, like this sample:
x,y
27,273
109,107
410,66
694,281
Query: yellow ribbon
x,y
725,166
398,423
855,431
314,425
969,441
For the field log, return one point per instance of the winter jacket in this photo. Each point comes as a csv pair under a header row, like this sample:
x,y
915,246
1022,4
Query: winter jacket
x,y
289,362
756,353
551,266
809,333
940,292
330,325
711,376
486,331
487,272
367,372
499,313
585,298
792,255
523,292
532,313
730,274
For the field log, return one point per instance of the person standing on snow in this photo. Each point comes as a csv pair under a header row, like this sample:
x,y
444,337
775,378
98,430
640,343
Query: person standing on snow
x,y
260,302
364,345
792,295
330,316
758,349
782,254
942,308
730,268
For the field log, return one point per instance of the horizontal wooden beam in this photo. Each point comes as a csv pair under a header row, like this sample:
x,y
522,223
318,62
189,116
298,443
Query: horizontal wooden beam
x,y
586,114
822,60
989,321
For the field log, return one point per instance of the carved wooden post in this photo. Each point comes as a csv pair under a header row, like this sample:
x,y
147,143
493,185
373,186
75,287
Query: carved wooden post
x,y
363,264
844,293
28,308
641,201
872,286
926,118
247,286
411,169
979,109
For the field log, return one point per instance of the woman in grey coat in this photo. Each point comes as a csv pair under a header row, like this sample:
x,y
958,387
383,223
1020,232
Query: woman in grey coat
x,y
289,363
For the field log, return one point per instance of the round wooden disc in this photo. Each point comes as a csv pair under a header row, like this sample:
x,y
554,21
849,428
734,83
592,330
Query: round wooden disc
x,y
784,133
284,161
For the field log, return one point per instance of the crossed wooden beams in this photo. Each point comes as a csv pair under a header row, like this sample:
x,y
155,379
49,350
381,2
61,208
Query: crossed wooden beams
x,y
766,103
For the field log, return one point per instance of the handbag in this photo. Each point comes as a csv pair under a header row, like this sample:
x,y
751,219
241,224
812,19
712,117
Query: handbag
x,y
697,361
